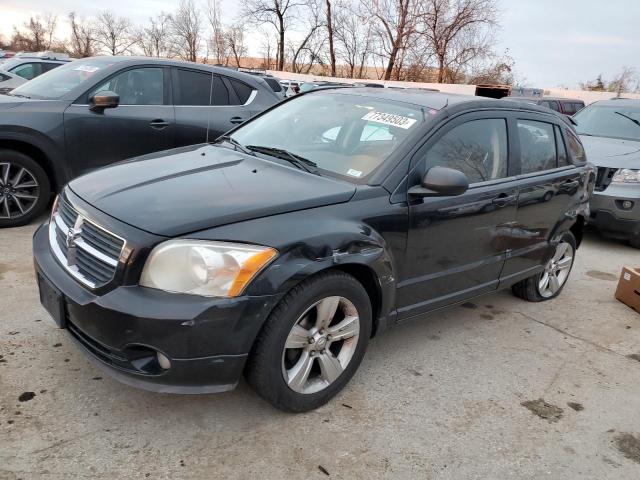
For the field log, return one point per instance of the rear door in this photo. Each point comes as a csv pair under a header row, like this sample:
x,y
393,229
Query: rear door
x,y
549,185
456,245
142,123
204,101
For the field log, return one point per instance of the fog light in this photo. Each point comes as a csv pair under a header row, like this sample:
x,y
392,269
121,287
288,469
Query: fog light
x,y
163,361
627,204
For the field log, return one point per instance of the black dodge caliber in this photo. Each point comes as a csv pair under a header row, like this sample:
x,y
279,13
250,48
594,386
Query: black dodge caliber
x,y
282,248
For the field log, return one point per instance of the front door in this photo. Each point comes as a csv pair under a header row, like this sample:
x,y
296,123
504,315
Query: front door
x,y
456,245
142,123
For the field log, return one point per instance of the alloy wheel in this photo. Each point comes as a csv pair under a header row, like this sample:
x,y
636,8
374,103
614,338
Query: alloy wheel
x,y
556,271
320,345
19,191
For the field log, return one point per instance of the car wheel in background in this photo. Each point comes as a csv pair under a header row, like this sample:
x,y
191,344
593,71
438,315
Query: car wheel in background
x,y
24,189
548,284
312,343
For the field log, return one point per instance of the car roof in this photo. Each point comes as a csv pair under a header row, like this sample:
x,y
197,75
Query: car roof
x,y
435,100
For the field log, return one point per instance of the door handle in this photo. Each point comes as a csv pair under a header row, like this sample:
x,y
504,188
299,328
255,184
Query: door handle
x,y
236,120
158,124
570,183
503,200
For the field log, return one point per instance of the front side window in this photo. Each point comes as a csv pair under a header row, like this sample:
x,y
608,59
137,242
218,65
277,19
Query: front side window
x,y
28,71
350,135
477,148
139,86
614,121
537,146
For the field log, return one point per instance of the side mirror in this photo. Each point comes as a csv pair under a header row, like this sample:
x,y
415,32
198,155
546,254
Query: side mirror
x,y
441,182
104,99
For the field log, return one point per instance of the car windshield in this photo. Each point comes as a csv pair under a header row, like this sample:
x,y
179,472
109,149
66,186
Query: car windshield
x,y
350,135
614,121
56,83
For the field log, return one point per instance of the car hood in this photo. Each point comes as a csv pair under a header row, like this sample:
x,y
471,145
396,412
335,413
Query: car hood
x,y
194,188
612,152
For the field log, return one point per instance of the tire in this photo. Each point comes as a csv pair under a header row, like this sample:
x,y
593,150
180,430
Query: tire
x,y
270,360
20,206
530,289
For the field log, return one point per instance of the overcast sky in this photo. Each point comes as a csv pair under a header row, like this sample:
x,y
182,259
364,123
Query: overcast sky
x,y
553,42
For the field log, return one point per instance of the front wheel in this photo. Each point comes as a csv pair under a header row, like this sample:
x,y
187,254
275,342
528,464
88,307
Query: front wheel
x,y
24,189
312,343
549,283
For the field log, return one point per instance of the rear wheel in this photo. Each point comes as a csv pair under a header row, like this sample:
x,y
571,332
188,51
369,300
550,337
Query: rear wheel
x,y
549,283
24,189
312,343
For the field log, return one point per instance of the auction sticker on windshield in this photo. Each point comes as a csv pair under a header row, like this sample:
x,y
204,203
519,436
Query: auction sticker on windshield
x,y
390,119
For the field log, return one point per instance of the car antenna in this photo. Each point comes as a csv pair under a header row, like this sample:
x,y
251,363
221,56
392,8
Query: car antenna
x,y
209,111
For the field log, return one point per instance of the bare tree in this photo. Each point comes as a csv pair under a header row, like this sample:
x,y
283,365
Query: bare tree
x,y
50,25
353,38
307,51
234,36
113,34
82,37
622,82
154,38
395,24
278,13
332,51
217,43
458,32
33,37
186,30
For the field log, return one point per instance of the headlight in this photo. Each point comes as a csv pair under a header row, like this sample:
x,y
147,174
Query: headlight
x,y
626,175
198,267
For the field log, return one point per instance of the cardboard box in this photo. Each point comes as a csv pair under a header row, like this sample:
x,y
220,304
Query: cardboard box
x,y
628,291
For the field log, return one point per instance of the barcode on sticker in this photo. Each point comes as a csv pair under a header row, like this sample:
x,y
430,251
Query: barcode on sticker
x,y
390,119
354,173
627,276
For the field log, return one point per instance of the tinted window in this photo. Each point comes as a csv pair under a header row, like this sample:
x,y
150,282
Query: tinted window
x,y
478,148
28,70
569,108
274,84
193,88
139,86
537,146
49,66
242,90
219,93
575,147
563,159
578,106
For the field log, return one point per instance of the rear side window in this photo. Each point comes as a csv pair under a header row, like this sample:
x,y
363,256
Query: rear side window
x,y
274,84
477,148
552,105
192,88
49,66
537,146
242,90
563,158
575,148
569,108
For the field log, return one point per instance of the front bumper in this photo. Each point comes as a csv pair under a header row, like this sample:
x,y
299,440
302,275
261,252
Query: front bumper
x,y
609,215
206,340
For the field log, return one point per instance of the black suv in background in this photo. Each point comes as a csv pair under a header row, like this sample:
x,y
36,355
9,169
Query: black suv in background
x,y
96,111
281,249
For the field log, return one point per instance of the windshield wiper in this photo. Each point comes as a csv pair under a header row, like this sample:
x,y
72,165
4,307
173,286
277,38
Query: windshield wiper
x,y
637,122
235,143
300,162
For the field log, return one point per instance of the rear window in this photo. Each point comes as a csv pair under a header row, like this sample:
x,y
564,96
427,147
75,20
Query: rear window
x,y
242,90
537,146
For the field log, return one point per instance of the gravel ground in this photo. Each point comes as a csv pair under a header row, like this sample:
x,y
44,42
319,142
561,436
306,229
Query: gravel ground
x,y
496,389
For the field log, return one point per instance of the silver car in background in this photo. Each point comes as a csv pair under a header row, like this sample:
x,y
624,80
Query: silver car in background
x,y
610,133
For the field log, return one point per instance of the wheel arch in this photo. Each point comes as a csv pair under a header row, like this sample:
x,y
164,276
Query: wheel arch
x,y
577,229
37,153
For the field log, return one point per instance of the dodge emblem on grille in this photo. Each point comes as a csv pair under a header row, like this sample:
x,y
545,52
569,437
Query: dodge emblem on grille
x,y
72,234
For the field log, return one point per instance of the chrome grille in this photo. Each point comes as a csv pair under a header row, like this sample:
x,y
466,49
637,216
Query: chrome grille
x,y
88,252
